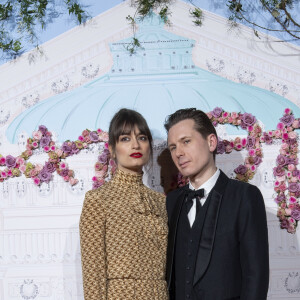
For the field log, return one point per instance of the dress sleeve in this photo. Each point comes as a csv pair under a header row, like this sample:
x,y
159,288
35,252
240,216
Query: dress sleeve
x,y
92,244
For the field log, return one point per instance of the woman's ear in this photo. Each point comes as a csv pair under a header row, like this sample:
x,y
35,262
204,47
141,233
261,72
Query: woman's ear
x,y
112,153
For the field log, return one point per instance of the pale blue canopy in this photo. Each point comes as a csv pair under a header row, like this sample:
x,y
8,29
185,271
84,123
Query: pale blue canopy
x,y
156,81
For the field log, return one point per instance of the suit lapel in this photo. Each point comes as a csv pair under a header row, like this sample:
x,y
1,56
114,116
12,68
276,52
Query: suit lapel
x,y
209,228
173,223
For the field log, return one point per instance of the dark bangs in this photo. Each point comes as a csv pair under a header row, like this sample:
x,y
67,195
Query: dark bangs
x,y
124,122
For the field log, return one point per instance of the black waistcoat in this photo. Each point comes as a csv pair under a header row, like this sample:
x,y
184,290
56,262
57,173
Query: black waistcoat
x,y
186,249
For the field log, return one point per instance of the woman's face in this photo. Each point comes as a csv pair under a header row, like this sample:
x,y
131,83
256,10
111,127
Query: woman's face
x,y
132,151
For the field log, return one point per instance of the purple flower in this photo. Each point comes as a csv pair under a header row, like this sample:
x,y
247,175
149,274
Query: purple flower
x,y
296,173
49,167
278,171
64,172
284,224
94,136
280,198
220,147
10,161
257,160
104,156
291,142
294,187
217,112
287,120
250,142
44,175
292,161
296,213
281,160
45,141
43,129
268,139
74,149
247,120
66,148
241,169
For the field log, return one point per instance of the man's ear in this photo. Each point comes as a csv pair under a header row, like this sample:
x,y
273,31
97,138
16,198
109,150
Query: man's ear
x,y
212,142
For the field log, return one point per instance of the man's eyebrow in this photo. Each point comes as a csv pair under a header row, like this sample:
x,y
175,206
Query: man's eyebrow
x,y
181,139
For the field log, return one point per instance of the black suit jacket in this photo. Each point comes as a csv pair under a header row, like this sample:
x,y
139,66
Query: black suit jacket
x,y
233,256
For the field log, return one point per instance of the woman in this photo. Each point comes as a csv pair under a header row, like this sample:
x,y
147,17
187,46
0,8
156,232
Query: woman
x,y
123,224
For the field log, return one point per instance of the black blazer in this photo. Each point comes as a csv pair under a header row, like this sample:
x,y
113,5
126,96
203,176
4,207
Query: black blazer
x,y
233,256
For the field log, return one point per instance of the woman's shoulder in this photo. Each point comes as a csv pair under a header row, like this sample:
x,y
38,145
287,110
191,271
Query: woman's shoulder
x,y
100,193
156,194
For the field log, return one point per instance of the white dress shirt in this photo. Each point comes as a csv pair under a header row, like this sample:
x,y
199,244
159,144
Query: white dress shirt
x,y
207,186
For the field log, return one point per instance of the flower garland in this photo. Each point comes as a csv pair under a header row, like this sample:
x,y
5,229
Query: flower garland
x,y
286,186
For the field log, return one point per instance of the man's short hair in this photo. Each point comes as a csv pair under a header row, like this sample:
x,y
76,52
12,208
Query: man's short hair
x,y
202,123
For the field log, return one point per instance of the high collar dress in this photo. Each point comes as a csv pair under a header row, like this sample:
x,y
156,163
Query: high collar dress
x,y
123,238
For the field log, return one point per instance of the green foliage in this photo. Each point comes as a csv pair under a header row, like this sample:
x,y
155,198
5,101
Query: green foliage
x,y
21,19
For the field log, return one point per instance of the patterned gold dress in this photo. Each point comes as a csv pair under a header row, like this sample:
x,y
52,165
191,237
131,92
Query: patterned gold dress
x,y
123,237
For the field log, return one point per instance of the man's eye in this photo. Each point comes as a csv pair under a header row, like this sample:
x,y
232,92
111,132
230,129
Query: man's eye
x,y
187,141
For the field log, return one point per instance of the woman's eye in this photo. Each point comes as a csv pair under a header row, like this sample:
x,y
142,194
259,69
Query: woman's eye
x,y
124,139
143,138
172,149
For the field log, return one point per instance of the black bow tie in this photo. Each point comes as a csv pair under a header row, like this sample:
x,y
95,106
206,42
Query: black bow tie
x,y
198,194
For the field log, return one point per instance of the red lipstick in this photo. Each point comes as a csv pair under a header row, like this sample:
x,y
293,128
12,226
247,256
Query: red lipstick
x,y
136,155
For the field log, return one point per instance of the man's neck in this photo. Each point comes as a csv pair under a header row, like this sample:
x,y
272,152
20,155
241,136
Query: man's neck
x,y
200,178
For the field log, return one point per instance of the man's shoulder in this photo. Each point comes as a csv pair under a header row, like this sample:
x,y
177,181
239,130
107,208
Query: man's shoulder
x,y
175,193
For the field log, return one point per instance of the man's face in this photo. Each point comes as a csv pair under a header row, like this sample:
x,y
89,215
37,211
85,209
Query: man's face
x,y
191,153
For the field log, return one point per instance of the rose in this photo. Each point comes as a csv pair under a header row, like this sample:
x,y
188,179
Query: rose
x,y
10,161
278,171
66,148
284,224
280,126
44,176
94,136
36,180
49,167
74,149
281,160
217,112
73,181
247,120
43,129
294,187
287,120
250,142
37,135
64,172
45,141
241,169
268,139
295,124
280,198
296,213
220,147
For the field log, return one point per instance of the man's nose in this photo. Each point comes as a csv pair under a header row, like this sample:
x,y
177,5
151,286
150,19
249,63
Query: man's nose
x,y
179,151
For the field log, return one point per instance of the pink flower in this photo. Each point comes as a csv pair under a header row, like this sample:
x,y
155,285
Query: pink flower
x,y
209,115
20,160
234,115
291,167
38,167
52,148
238,147
103,136
282,187
3,174
22,168
94,178
289,174
276,183
225,114
9,173
280,126
47,148
253,168
294,179
81,138
252,152
293,200
59,152
250,128
244,142
287,111
36,180
295,124
37,135
280,178
288,211
230,120
2,161
292,135
66,178
99,130
106,146
35,144
277,134
73,181
284,146
63,165
285,136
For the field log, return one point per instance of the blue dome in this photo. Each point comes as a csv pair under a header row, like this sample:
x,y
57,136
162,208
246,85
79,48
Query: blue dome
x,y
156,80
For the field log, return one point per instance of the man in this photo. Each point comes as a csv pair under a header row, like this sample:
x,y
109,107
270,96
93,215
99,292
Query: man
x,y
218,239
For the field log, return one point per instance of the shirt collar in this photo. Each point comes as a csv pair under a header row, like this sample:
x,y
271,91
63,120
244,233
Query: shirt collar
x,y
209,184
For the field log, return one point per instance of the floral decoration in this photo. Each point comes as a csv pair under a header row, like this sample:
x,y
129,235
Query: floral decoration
x,y
286,186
